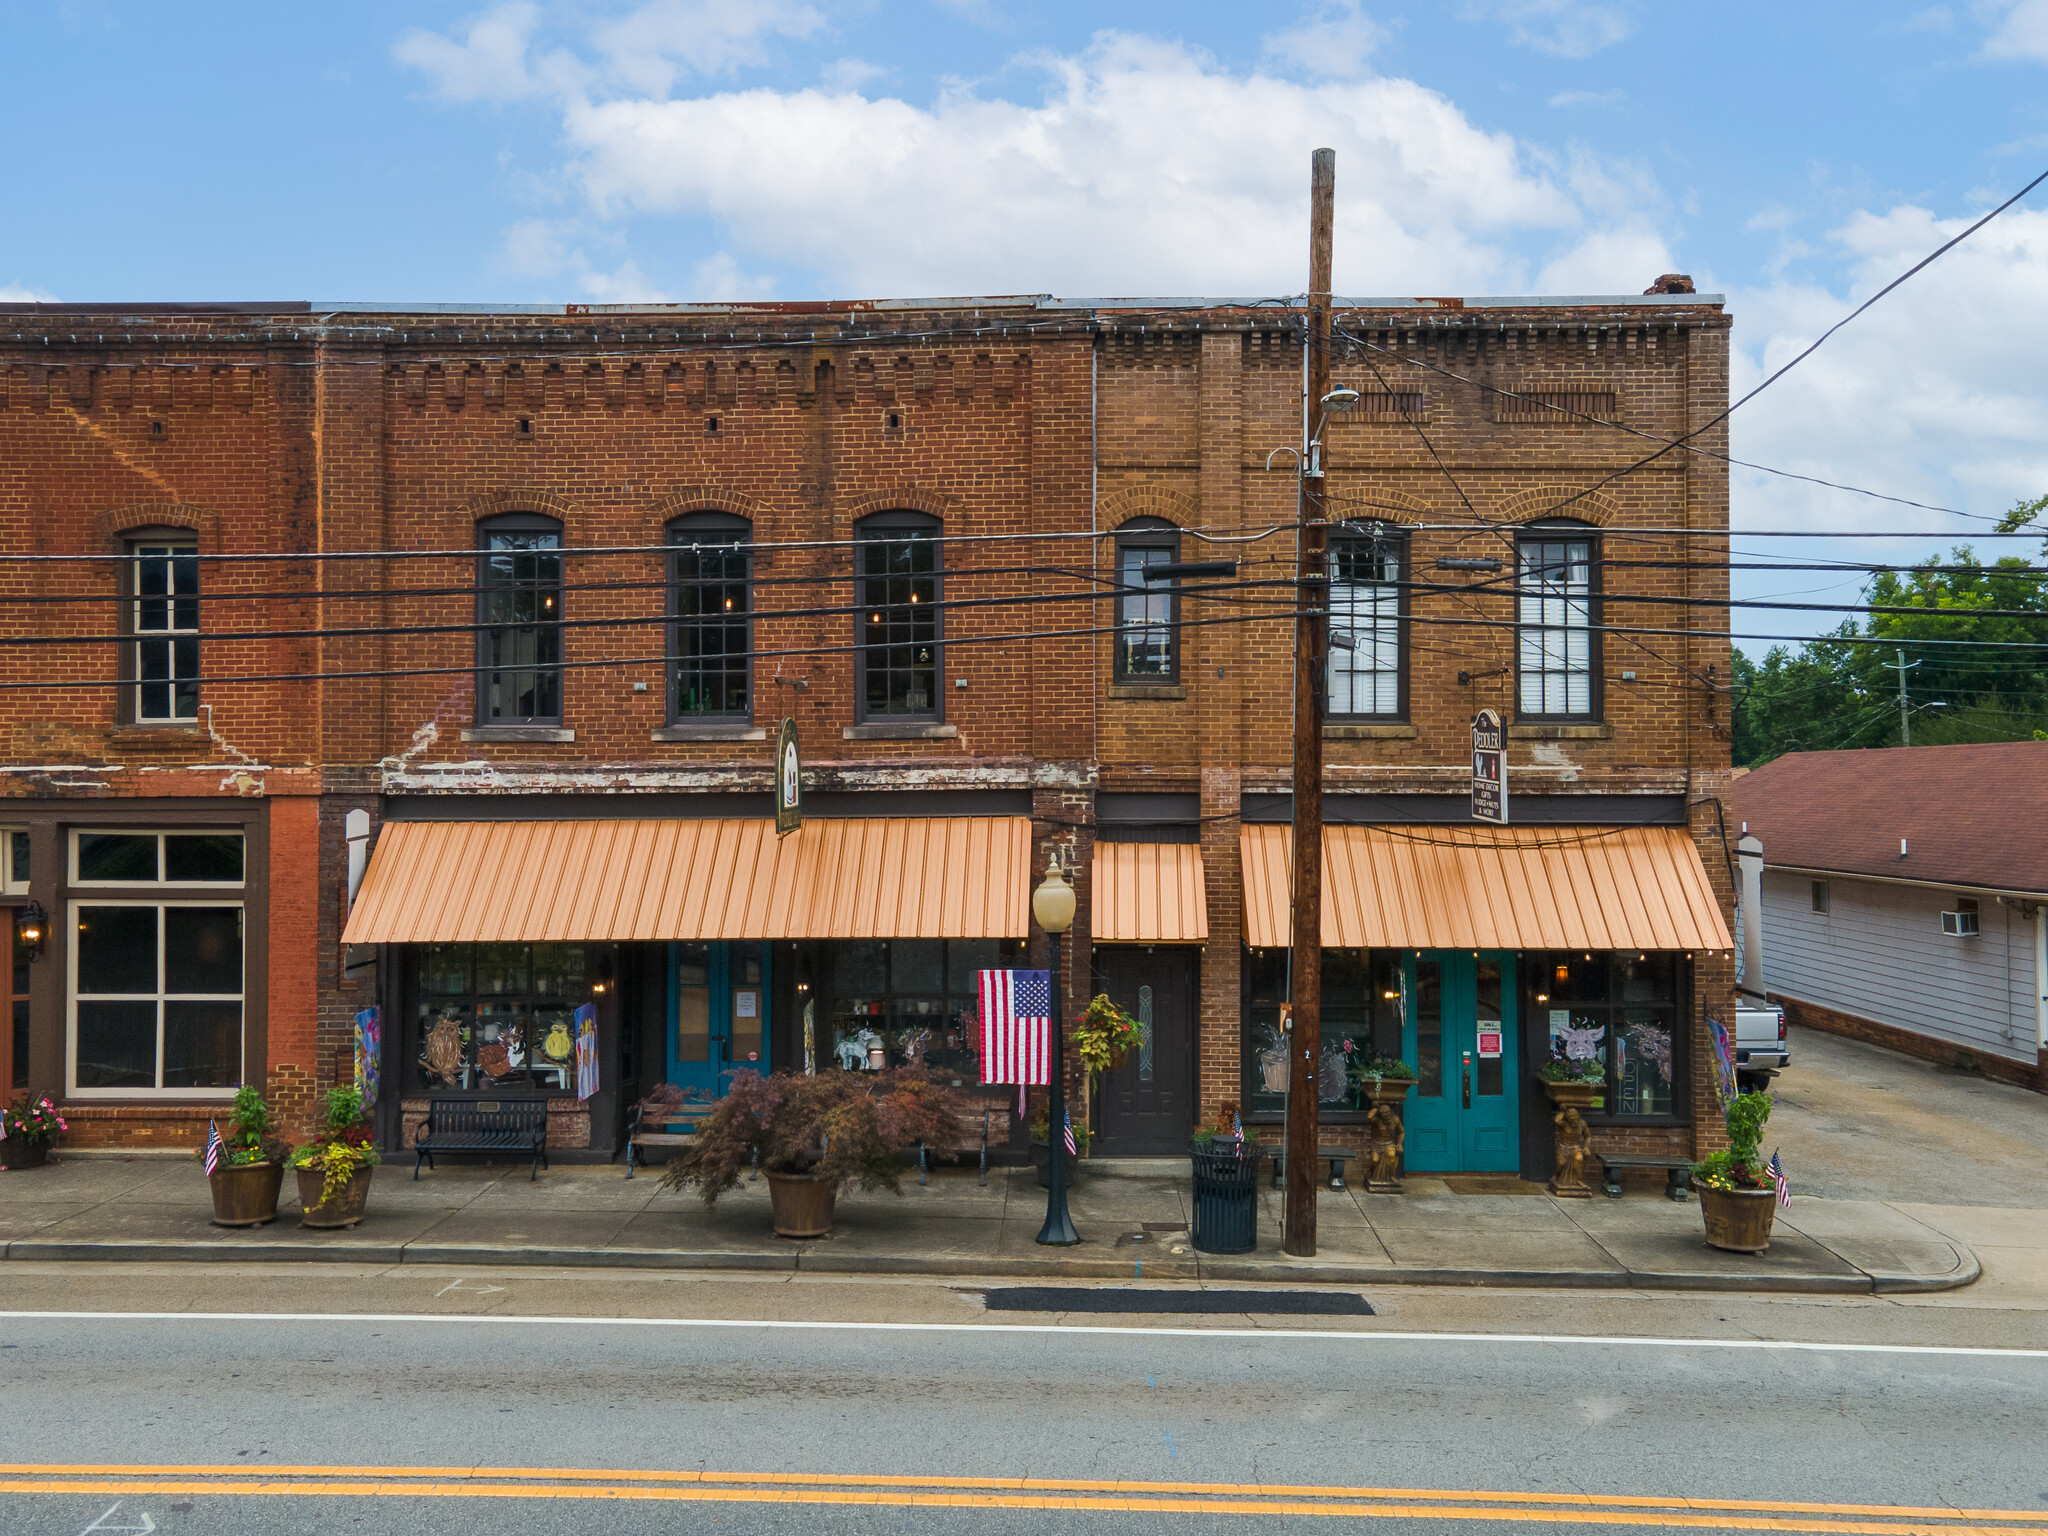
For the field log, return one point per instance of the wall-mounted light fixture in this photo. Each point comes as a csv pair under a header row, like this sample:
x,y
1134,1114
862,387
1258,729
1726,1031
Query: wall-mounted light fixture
x,y
32,923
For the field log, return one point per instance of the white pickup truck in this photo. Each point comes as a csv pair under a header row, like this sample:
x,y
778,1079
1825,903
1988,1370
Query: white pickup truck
x,y
1759,1041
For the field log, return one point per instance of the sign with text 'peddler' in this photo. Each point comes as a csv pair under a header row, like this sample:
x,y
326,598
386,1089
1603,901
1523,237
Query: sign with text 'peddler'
x,y
1489,769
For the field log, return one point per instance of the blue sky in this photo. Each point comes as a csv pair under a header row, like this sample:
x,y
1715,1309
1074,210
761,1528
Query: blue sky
x,y
1791,156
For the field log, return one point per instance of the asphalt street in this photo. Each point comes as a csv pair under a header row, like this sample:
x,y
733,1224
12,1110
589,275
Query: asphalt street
x,y
881,1409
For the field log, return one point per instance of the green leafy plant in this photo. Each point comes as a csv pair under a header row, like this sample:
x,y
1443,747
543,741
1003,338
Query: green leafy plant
x,y
1104,1034
343,1145
844,1127
31,1119
1375,1068
248,1138
1083,1134
1591,1073
1738,1166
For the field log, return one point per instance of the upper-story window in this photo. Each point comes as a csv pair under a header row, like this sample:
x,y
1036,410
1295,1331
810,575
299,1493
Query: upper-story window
x,y
163,616
1557,597
1368,605
711,670
897,558
1146,638
519,609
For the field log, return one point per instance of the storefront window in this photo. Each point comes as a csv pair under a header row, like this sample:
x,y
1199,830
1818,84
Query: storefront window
x,y
498,1016
158,996
1623,1009
1361,1019
900,1002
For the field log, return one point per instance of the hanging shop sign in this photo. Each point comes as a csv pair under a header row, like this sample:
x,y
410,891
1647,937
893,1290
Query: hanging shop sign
x,y
789,781
1489,769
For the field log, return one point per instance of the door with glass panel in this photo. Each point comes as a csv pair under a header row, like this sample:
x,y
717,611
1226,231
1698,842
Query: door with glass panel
x,y
1460,1035
1145,1108
718,1013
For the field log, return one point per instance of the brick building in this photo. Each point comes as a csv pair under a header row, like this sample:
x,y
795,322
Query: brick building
x,y
465,634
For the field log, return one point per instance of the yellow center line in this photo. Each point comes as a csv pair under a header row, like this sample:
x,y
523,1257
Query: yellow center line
x,y
522,1476
905,1498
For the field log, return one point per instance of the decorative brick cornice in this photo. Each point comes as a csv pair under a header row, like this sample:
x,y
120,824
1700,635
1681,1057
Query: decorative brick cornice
x,y
109,525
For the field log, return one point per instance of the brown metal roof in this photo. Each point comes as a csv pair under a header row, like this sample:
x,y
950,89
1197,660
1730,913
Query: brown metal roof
x,y
1459,887
895,877
1968,813
1148,893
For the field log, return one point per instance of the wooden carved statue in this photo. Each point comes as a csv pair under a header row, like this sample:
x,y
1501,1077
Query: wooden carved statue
x,y
1385,1136
1574,1147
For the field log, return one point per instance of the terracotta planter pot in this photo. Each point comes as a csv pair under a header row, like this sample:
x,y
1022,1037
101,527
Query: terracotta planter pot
x,y
1738,1220
344,1210
245,1194
17,1152
1386,1132
800,1204
1572,1139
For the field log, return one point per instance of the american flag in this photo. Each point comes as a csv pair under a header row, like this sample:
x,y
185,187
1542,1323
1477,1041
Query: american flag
x,y
1016,1027
1072,1149
1776,1170
212,1147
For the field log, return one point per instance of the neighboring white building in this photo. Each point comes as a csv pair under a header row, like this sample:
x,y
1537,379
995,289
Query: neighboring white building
x,y
1905,898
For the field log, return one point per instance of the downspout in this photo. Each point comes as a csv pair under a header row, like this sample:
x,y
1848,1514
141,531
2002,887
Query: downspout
x,y
1750,854
2041,978
1095,543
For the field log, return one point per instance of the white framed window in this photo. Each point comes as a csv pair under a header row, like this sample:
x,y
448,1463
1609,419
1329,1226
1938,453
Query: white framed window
x,y
164,620
125,856
13,861
156,995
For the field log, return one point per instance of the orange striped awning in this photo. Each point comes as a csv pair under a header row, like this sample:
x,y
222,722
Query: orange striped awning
x,y
1148,893
1474,887
880,877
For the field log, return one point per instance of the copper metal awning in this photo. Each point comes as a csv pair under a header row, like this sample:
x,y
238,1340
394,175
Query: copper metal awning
x,y
879,877
1148,893
1472,887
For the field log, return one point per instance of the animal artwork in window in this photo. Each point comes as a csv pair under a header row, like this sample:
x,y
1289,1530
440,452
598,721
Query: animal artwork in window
x,y
1580,1044
852,1050
557,1046
444,1047
1652,1045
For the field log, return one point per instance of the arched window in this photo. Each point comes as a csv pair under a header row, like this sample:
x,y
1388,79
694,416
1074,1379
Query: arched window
x,y
519,611
1368,624
711,618
897,577
1557,597
1147,648
162,614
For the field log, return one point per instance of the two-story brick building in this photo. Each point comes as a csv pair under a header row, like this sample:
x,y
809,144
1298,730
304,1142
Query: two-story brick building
x,y
430,660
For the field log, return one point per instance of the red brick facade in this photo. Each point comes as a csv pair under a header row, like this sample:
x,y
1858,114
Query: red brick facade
x,y
295,435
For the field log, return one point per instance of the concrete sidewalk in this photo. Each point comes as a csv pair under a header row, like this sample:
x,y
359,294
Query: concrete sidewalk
x,y
1132,1216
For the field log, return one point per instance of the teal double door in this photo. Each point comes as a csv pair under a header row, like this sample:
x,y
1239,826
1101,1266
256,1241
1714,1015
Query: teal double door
x,y
1458,1029
717,1012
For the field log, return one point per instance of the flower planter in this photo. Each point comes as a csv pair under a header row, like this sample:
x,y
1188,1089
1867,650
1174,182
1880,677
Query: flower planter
x,y
245,1194
21,1152
1738,1220
1572,1138
345,1209
1386,1132
1226,1205
1273,1071
800,1204
1041,1156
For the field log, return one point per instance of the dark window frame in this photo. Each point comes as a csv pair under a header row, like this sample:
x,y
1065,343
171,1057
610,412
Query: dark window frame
x,y
183,544
1154,535
513,524
688,534
1398,539
1566,533
1821,895
908,528
1611,1011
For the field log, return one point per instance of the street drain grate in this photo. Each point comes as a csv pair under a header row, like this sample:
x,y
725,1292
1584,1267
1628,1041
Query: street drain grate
x,y
1081,1298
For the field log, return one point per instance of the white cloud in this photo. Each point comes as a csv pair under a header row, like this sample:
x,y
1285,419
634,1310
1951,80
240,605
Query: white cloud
x,y
1613,98
2021,31
1570,29
487,63
19,293
845,75
1336,42
718,277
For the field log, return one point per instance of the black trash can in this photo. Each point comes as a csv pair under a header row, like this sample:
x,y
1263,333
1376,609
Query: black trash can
x,y
1226,1197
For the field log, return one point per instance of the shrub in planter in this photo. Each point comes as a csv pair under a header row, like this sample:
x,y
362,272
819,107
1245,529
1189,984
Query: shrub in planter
x,y
334,1167
812,1135
1041,1147
1738,1196
251,1170
28,1128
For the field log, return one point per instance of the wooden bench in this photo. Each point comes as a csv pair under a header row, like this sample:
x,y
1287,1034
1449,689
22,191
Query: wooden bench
x,y
1336,1157
505,1124
663,1123
1676,1171
973,1137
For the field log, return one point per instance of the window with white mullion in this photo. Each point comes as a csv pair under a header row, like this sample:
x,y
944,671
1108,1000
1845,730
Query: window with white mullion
x,y
1556,654
164,619
157,993
1365,609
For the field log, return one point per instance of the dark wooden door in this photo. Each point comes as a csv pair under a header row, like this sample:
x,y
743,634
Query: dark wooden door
x,y
1146,1107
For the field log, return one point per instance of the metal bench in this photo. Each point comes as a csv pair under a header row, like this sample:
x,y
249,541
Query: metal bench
x,y
663,1123
973,1137
508,1124
1336,1157
1676,1171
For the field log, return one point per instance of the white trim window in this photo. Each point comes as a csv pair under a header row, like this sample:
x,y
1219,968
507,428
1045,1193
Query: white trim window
x,y
155,981
165,622
13,861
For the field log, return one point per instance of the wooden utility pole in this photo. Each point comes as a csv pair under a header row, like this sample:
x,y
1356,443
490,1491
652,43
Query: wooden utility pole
x,y
1305,1044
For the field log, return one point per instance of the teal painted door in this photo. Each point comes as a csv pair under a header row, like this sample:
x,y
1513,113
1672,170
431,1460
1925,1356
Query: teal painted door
x,y
1458,1032
717,1013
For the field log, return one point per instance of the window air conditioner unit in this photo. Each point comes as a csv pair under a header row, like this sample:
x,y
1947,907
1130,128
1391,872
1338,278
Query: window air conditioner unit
x,y
1959,925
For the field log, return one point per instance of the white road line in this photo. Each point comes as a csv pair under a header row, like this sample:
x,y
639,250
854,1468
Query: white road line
x,y
1574,1340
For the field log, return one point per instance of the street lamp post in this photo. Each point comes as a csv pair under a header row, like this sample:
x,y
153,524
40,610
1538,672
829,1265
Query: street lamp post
x,y
1053,905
